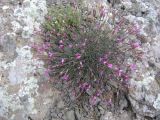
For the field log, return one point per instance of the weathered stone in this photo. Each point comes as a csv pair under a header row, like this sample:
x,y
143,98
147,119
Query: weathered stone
x,y
70,115
60,104
110,116
8,46
18,85
25,96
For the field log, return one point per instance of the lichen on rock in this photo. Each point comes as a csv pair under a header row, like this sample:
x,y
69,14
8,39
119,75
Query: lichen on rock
x,y
20,85
23,93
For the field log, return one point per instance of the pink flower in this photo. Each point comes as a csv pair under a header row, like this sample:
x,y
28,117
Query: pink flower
x,y
83,44
65,35
125,77
40,49
77,55
61,46
50,54
46,45
119,40
58,34
135,45
110,65
98,93
61,42
109,102
102,13
134,29
119,73
100,59
85,86
104,62
34,45
65,77
106,56
98,26
133,67
62,61
116,29
93,100
70,45
81,64
46,72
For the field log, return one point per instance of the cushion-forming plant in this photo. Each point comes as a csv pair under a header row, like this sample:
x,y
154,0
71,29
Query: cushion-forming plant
x,y
85,51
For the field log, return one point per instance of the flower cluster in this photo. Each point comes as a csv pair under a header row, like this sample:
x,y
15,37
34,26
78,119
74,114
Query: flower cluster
x,y
85,51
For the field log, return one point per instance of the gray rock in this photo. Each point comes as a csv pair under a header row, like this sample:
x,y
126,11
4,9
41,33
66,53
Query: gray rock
x,y
102,110
60,104
70,115
157,77
8,46
24,99
145,89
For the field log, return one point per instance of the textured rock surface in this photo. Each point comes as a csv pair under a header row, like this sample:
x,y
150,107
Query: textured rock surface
x,y
144,95
25,94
